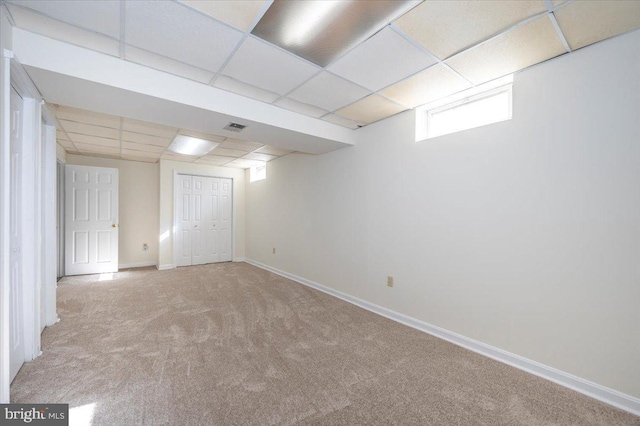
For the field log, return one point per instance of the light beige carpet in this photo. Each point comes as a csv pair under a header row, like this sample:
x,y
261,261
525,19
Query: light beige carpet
x,y
231,344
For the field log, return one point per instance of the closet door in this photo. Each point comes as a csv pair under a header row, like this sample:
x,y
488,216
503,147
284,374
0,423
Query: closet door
x,y
212,227
184,225
225,211
199,220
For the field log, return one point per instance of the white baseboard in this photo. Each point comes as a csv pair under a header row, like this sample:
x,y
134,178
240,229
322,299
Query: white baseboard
x,y
594,390
239,259
166,266
136,265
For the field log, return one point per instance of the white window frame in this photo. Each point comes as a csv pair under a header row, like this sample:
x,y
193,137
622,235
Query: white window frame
x,y
253,173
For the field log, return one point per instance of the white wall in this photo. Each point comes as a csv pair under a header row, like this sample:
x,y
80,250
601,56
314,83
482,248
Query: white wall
x,y
523,234
167,169
138,211
61,154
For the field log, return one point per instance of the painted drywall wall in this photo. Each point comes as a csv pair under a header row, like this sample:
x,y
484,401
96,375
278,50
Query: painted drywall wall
x,y
167,169
138,207
523,234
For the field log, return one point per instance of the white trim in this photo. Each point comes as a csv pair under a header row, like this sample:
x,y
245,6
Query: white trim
x,y
239,259
136,265
594,390
166,266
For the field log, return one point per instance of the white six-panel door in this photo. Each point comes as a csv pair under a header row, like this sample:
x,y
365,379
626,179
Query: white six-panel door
x,y
91,220
203,220
17,350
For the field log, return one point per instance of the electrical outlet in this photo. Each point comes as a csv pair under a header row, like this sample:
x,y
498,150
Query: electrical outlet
x,y
274,250
389,281
145,246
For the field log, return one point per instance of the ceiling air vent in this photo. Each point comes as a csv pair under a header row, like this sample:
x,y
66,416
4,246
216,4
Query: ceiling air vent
x,y
234,127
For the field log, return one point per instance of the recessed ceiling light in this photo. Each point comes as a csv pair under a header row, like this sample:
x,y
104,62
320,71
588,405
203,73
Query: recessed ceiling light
x,y
323,30
187,145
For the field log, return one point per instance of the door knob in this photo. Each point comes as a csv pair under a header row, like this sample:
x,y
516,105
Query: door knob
x,y
113,225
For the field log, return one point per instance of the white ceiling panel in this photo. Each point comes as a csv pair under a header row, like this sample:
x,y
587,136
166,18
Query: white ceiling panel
x,y
87,117
89,129
66,144
199,135
165,64
93,140
232,85
240,14
272,150
216,158
259,156
138,153
154,149
176,31
177,157
344,122
382,60
429,85
145,139
102,16
239,145
267,67
40,24
136,158
300,107
98,148
227,152
205,160
587,22
329,92
447,27
241,163
61,135
510,52
137,126
371,109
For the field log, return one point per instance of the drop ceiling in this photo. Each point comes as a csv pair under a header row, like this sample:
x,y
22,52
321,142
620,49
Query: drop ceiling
x,y
91,133
432,49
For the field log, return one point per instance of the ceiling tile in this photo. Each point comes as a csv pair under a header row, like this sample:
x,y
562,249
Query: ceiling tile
x,y
244,164
89,129
522,47
66,144
102,16
99,154
429,85
370,109
259,156
556,3
40,24
145,139
381,60
137,126
61,135
97,148
227,152
232,85
157,150
240,14
93,140
211,162
216,158
177,157
344,122
300,107
87,117
199,135
140,154
165,64
268,67
239,145
272,150
329,92
141,159
176,31
587,22
447,27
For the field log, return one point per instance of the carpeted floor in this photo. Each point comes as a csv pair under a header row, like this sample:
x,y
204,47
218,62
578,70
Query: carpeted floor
x,y
231,344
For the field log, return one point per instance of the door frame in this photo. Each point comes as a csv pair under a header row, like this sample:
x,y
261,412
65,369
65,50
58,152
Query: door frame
x,y
175,216
39,237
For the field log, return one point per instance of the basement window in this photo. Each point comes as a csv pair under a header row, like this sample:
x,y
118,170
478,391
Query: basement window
x,y
258,172
472,108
